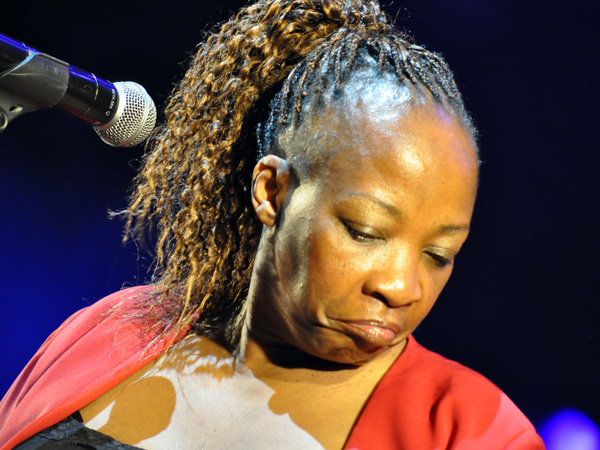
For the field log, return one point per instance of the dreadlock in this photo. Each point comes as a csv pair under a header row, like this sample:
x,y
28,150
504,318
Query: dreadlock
x,y
247,82
321,77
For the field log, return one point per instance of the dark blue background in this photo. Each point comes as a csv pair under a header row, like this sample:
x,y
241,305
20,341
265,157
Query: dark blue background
x,y
522,307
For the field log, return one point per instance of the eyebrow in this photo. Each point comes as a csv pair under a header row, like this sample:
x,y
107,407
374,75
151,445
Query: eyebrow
x,y
387,206
442,229
450,229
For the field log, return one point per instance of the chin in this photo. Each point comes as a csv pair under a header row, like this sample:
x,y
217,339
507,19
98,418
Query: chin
x,y
352,357
345,350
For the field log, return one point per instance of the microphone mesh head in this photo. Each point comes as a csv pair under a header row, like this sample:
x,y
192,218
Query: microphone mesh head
x,y
134,120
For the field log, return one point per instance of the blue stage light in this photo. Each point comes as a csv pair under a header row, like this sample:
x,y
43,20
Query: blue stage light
x,y
570,429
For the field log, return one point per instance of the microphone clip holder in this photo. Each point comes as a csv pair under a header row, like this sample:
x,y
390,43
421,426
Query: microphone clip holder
x,y
38,82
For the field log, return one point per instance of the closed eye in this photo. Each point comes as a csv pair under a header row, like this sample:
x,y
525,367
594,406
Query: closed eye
x,y
358,235
439,260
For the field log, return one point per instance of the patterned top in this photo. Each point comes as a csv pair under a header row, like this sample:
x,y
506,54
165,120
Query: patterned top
x,y
72,433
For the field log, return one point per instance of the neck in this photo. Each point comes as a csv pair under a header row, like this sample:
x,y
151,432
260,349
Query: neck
x,y
240,328
286,362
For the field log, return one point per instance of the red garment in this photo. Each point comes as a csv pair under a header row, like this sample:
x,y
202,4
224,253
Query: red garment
x,y
424,402
427,402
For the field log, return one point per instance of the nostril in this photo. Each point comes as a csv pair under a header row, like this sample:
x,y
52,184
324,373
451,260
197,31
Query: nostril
x,y
379,296
382,298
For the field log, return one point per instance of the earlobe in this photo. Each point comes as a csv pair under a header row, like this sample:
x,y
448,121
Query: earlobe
x,y
270,182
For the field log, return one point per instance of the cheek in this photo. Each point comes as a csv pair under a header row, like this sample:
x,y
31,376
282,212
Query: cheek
x,y
307,270
292,255
436,283
324,270
432,287
336,270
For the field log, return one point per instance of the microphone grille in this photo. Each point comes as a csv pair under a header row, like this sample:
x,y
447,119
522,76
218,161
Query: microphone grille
x,y
135,117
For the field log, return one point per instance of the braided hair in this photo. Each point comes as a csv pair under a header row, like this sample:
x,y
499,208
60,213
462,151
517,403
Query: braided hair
x,y
247,82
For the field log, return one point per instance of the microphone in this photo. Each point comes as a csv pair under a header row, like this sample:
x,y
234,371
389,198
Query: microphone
x,y
122,113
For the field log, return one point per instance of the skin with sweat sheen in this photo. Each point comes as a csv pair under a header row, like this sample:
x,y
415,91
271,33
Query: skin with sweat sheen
x,y
365,241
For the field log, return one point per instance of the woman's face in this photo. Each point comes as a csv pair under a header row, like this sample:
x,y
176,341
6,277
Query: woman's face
x,y
364,245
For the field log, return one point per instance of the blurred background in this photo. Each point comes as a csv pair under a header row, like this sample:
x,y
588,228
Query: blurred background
x,y
522,307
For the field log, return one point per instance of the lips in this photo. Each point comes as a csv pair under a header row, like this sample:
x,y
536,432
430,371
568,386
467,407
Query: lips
x,y
376,333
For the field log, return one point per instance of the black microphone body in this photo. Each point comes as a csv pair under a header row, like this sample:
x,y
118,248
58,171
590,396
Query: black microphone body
x,y
122,113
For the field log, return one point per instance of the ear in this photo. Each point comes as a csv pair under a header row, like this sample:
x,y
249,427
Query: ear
x,y
270,183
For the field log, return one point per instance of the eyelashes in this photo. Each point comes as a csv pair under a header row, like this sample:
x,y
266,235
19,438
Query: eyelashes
x,y
439,260
362,236
358,235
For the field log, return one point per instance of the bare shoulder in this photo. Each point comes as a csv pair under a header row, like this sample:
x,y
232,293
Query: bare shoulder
x,y
195,394
143,405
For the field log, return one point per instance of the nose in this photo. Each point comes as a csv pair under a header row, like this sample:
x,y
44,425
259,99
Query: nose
x,y
396,280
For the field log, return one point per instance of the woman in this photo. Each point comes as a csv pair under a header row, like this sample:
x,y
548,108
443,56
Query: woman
x,y
309,192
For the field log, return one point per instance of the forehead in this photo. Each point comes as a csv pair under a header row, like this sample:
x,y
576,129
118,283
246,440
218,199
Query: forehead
x,y
374,116
382,142
369,99
409,143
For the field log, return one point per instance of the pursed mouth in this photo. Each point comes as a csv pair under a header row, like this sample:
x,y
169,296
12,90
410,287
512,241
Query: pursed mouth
x,y
374,332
